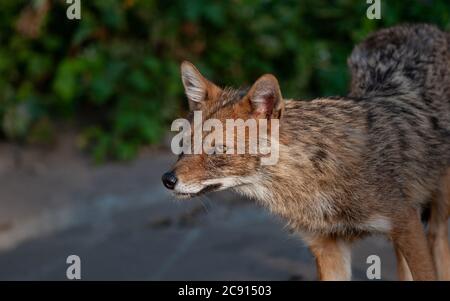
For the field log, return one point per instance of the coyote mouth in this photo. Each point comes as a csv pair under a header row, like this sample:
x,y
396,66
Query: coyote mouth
x,y
206,189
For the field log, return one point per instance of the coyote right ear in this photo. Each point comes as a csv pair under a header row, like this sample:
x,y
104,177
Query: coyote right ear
x,y
197,88
265,97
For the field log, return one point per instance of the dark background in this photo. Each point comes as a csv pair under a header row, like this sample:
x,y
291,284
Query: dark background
x,y
114,74
85,109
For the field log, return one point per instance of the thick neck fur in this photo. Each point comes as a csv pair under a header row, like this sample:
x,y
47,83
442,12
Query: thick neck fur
x,y
321,147
349,165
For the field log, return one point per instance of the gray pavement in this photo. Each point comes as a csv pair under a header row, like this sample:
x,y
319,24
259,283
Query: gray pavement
x,y
125,226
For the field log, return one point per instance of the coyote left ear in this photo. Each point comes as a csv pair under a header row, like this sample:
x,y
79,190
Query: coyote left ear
x,y
265,97
198,89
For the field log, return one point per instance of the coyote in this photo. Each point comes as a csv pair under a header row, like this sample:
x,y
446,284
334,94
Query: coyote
x,y
349,166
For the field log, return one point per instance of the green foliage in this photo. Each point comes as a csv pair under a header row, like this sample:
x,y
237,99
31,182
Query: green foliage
x,y
114,73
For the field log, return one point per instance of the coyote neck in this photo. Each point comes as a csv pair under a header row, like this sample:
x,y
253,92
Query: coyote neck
x,y
319,169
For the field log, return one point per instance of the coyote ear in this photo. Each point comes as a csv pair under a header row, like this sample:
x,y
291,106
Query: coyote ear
x,y
265,97
197,88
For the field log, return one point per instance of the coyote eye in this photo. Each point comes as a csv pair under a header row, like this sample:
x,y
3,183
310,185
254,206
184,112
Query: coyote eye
x,y
220,149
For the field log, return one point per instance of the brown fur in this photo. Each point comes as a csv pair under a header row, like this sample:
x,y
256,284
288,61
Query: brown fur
x,y
348,167
403,271
332,258
438,229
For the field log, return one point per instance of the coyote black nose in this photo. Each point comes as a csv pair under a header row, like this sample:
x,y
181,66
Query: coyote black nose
x,y
169,180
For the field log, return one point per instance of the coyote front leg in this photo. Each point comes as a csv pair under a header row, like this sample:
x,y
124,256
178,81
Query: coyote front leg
x,y
409,239
333,258
403,272
438,229
438,238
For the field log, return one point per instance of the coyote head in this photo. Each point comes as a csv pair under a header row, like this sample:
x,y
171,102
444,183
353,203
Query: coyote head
x,y
229,131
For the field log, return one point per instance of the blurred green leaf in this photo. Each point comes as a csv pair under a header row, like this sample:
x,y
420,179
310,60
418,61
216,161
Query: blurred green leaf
x,y
115,72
